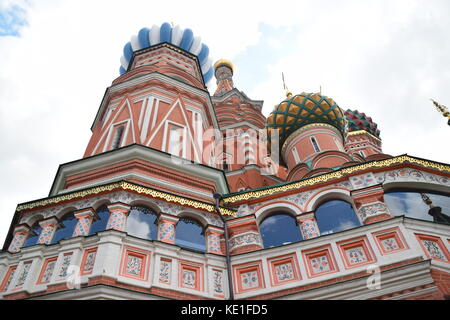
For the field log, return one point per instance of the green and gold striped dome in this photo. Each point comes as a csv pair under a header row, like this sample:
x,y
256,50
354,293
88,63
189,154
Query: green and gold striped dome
x,y
303,109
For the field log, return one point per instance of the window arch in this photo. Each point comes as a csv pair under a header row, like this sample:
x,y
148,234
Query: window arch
x,y
33,236
336,215
68,223
410,203
190,234
279,229
142,223
101,221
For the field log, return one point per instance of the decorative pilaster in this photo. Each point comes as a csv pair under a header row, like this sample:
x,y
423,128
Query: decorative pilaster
x,y
118,216
370,204
21,233
49,227
166,228
308,225
85,218
214,236
244,235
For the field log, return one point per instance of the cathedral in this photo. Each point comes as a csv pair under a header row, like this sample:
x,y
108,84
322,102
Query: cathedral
x,y
187,194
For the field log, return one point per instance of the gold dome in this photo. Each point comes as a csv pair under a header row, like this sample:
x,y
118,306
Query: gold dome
x,y
224,62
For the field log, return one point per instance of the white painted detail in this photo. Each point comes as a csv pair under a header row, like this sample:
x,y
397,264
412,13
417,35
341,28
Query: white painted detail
x,y
206,65
148,110
295,154
154,35
196,46
177,34
197,155
112,129
135,45
155,113
107,133
124,63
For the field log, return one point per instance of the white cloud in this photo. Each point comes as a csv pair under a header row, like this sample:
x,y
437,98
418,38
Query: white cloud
x,y
384,58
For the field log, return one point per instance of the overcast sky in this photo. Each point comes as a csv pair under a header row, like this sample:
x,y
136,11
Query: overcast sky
x,y
384,58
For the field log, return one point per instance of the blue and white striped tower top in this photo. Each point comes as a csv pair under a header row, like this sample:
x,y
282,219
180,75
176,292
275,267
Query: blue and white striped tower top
x,y
183,39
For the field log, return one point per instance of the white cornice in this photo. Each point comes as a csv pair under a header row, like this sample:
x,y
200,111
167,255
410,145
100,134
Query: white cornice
x,y
392,281
138,152
240,94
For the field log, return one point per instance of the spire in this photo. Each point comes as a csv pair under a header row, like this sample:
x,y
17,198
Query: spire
x,y
442,109
224,74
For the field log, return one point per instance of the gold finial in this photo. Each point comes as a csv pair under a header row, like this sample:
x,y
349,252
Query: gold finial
x,y
442,109
288,93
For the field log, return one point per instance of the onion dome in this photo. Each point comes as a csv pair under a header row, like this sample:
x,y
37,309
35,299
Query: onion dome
x,y
224,62
303,109
223,70
183,39
359,121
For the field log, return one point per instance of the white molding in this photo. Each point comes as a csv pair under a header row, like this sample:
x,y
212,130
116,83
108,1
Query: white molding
x,y
142,153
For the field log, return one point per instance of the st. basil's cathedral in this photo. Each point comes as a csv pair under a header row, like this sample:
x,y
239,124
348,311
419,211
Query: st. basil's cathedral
x,y
182,194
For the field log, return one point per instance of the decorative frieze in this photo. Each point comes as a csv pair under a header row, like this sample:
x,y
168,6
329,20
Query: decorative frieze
x,y
218,283
411,175
390,241
66,260
370,205
248,276
338,174
6,283
47,270
319,261
135,263
356,252
372,210
151,193
245,240
433,247
87,264
363,181
190,275
284,269
23,274
165,270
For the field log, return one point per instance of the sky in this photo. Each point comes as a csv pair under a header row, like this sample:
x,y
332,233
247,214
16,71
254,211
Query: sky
x,y
57,57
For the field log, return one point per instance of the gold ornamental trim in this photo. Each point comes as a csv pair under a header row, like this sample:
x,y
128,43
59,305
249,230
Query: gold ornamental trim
x,y
126,186
336,175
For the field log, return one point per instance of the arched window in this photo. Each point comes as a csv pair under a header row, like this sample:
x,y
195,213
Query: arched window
x,y
33,235
411,204
190,234
142,223
102,220
336,215
279,229
68,223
